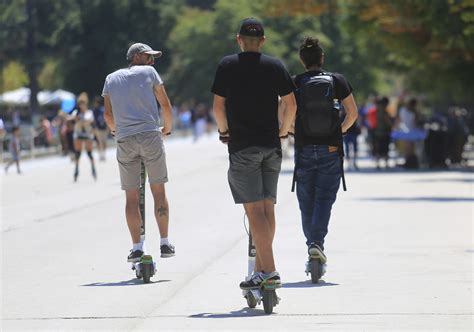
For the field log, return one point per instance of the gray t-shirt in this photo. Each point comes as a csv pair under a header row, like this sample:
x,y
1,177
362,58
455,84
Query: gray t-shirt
x,y
134,103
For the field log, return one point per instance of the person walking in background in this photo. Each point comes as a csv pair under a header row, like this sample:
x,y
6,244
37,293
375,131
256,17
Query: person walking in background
x,y
351,145
318,142
246,89
199,120
131,113
83,133
14,147
409,119
45,133
101,131
382,132
3,132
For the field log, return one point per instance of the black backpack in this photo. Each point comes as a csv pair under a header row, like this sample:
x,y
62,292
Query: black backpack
x,y
318,109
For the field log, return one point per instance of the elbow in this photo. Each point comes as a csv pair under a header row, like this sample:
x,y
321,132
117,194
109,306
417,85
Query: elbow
x,y
355,116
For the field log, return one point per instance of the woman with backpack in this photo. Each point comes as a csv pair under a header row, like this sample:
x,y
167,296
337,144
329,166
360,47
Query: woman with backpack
x,y
318,143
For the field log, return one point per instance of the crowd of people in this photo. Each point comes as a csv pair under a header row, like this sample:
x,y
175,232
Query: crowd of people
x,y
397,128
392,127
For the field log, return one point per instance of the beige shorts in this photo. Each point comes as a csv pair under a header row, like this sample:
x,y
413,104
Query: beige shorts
x,y
102,135
147,146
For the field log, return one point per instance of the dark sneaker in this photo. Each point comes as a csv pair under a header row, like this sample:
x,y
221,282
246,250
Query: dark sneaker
x,y
76,174
315,251
167,250
135,256
94,173
259,278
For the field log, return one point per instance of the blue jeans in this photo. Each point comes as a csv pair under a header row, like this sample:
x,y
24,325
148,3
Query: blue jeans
x,y
318,175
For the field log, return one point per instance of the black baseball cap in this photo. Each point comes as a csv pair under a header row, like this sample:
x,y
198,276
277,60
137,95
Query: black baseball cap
x,y
251,27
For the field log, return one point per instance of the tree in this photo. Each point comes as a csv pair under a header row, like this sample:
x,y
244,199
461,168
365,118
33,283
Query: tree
x,y
431,41
199,39
99,33
26,34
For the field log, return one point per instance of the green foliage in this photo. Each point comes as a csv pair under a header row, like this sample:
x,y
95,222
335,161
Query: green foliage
x,y
101,32
50,77
198,41
13,76
429,44
429,41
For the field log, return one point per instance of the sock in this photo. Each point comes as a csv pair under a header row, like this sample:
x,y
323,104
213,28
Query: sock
x,y
137,246
164,241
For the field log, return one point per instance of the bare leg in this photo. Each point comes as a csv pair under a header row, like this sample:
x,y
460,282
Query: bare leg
x,y
8,165
270,214
132,214
262,233
161,208
269,207
18,166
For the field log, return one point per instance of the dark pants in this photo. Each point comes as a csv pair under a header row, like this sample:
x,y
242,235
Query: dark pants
x,y
318,175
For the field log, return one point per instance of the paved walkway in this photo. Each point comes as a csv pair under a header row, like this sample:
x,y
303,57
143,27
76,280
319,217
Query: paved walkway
x,y
400,252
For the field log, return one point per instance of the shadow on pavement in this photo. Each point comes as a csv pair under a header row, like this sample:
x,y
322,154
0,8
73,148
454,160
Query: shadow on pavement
x,y
307,284
394,170
130,282
466,180
418,199
245,312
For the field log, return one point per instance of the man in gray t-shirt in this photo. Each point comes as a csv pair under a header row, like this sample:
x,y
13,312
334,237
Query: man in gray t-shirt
x,y
131,112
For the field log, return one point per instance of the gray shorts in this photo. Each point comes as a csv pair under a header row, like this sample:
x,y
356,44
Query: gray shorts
x,y
147,146
253,174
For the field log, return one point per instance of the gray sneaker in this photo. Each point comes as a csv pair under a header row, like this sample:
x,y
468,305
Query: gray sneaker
x,y
316,252
134,256
167,250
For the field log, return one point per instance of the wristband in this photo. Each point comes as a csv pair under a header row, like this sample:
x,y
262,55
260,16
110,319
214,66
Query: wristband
x,y
224,139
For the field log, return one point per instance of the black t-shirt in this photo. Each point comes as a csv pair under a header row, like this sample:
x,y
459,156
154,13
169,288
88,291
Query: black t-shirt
x,y
342,89
251,83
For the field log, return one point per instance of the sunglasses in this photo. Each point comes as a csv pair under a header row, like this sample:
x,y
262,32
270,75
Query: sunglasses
x,y
149,56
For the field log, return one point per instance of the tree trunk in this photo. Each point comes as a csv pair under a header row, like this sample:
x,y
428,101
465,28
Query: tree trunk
x,y
32,62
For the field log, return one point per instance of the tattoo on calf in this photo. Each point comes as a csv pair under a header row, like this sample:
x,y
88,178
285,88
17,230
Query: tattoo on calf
x,y
162,211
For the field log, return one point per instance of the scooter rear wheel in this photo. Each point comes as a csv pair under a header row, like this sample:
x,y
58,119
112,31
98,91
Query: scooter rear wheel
x,y
316,271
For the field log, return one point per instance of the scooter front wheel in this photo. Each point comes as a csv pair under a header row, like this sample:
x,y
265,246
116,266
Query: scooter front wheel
x,y
251,300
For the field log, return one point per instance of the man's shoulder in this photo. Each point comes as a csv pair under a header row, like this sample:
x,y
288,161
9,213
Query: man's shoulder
x,y
146,70
270,58
116,73
339,77
229,60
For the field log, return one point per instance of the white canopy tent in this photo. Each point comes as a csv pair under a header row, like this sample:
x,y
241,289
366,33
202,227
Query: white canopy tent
x,y
21,96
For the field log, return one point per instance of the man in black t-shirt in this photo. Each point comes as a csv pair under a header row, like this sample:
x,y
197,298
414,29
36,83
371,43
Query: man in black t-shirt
x,y
246,90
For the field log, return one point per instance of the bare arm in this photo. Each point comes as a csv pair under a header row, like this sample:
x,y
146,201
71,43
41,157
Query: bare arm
x,y
165,104
219,113
351,113
289,112
108,115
